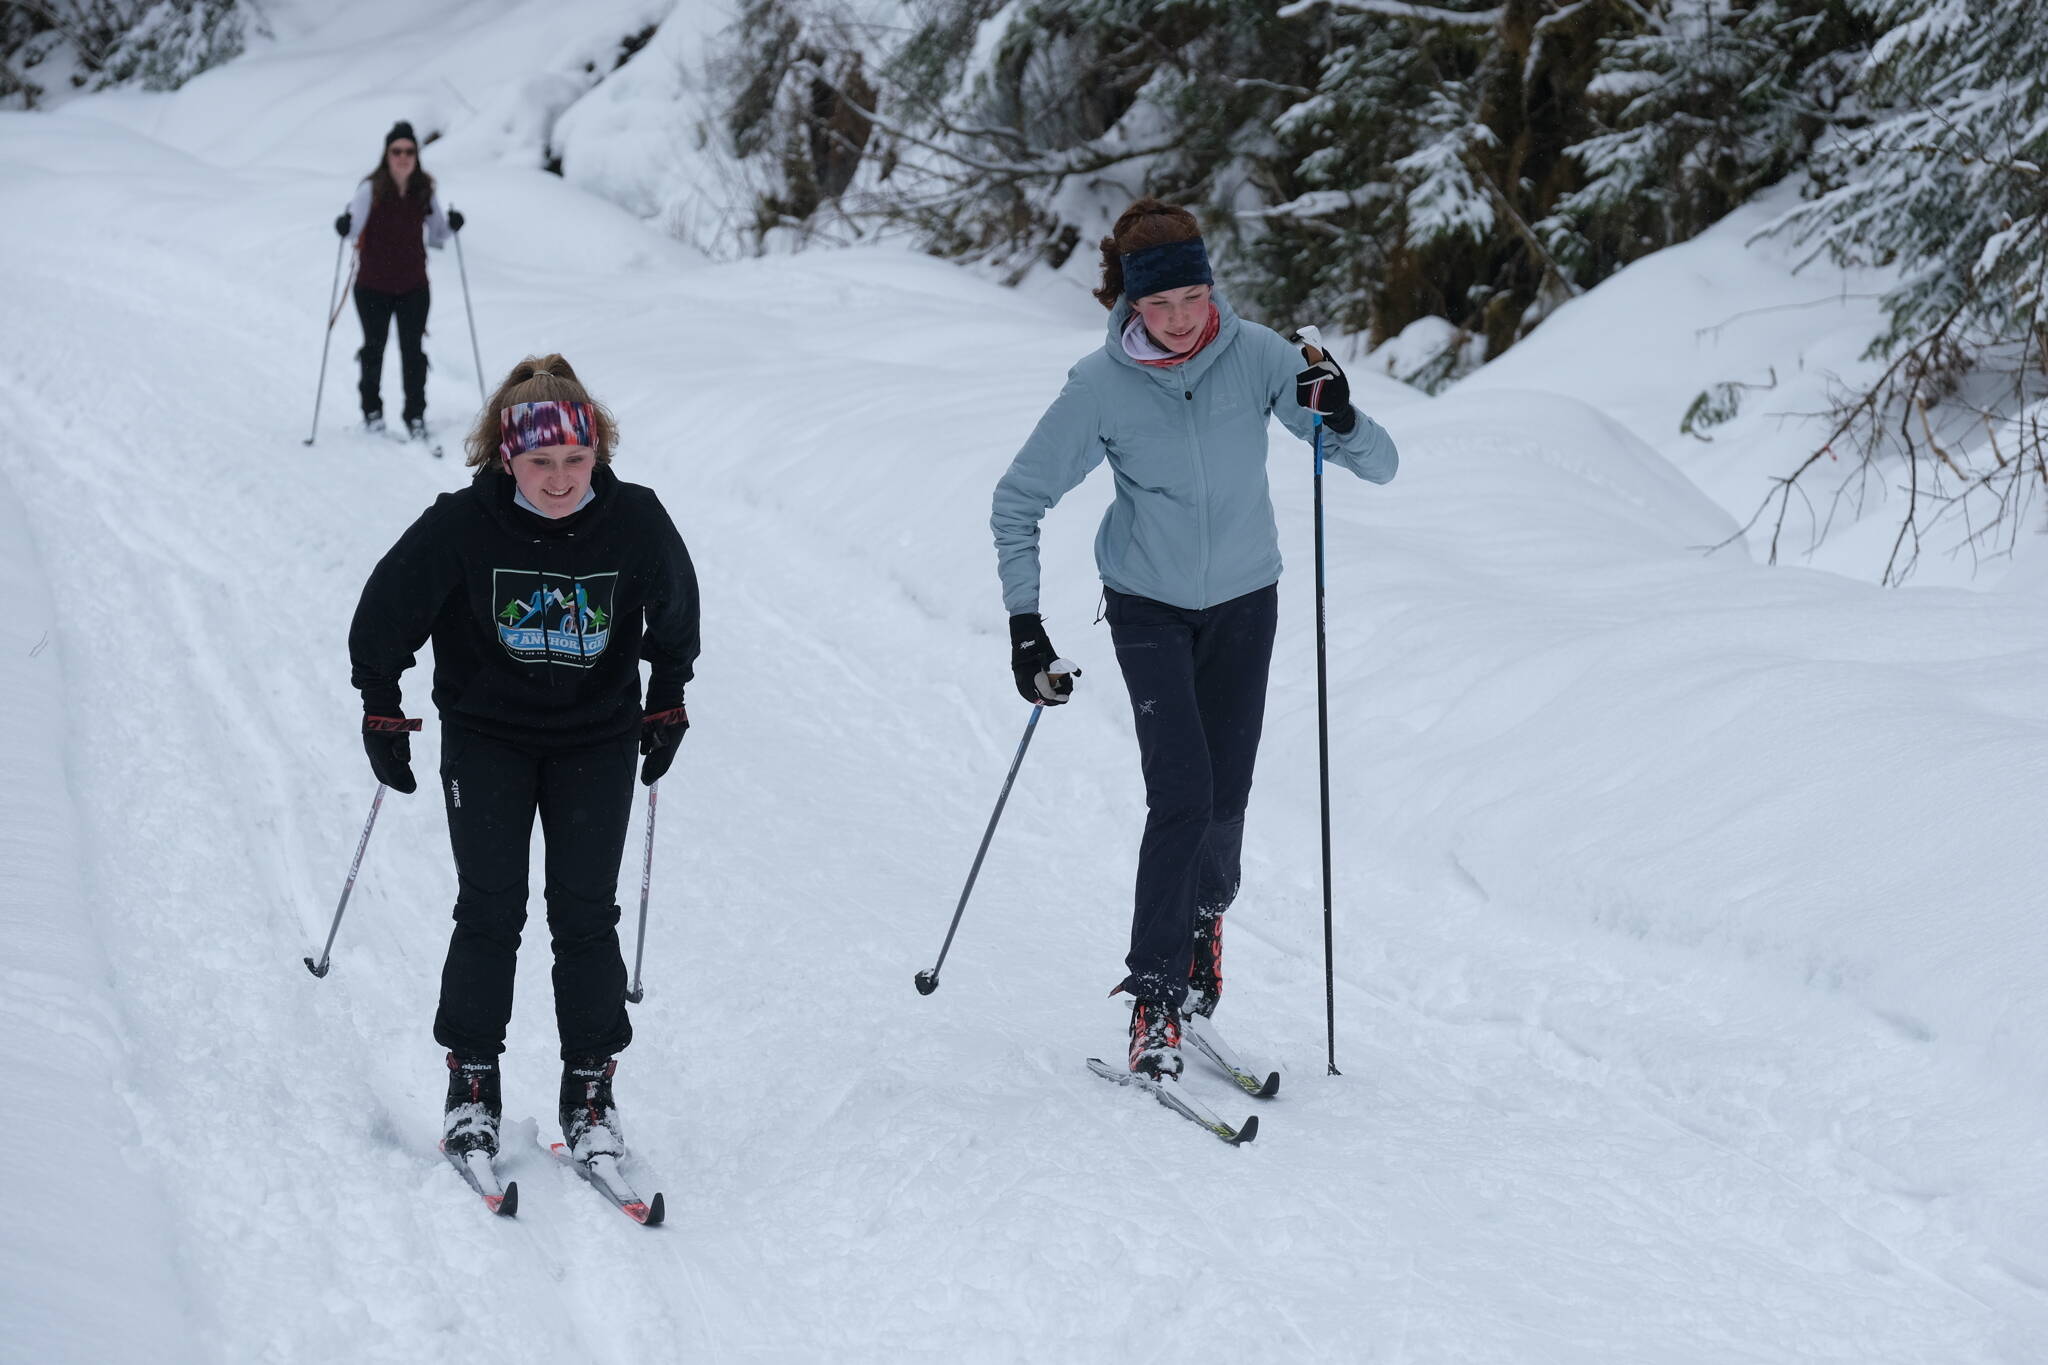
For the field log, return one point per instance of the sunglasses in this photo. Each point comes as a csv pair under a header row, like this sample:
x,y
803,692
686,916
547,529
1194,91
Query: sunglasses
x,y
396,150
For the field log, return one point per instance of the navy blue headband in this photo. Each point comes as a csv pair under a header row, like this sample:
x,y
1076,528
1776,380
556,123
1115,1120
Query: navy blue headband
x,y
1171,265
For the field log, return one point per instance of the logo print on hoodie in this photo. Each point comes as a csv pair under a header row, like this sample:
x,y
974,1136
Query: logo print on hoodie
x,y
546,618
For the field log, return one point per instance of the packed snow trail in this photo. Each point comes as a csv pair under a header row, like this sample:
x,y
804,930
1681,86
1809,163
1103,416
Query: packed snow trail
x,y
1667,1035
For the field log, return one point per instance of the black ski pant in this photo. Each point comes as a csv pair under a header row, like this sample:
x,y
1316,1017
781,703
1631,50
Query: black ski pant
x,y
377,309
492,789
1198,697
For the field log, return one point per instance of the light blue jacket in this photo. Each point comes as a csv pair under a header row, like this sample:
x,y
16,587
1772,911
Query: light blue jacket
x,y
1192,522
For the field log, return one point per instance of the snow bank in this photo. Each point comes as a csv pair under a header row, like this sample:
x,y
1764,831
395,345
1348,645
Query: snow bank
x,y
646,138
1731,309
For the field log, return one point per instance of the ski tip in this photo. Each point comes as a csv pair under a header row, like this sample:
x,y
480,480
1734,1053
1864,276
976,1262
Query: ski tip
x,y
654,1212
1270,1088
506,1204
1246,1133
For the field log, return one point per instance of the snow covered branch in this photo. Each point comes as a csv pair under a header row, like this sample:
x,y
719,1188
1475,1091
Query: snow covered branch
x,y
1402,9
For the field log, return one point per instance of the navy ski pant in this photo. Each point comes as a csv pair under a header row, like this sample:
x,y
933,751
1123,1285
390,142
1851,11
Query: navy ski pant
x,y
378,310
492,789
1198,697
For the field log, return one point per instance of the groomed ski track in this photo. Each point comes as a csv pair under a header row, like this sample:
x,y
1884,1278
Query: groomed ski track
x,y
1560,1137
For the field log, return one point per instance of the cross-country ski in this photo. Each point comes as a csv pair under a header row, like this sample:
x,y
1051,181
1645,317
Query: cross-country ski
x,y
1169,1093
602,1174
500,1197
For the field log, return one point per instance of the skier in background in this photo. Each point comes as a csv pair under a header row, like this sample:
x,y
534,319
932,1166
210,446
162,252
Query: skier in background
x,y
537,681
1177,400
394,217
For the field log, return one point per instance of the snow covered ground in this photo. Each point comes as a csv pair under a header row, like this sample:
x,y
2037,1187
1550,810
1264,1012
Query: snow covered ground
x,y
1688,917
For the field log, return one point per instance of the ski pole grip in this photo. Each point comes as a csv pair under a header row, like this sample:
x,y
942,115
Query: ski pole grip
x,y
1311,342
388,725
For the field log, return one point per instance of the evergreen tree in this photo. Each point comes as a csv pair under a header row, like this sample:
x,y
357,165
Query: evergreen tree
x,y
1947,182
1704,106
1946,186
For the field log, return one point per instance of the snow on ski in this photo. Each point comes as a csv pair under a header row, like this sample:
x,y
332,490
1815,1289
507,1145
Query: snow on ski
x,y
398,438
1181,1104
476,1168
603,1175
1202,1033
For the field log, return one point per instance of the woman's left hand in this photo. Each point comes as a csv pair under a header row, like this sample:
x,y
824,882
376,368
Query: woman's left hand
x,y
660,733
1322,388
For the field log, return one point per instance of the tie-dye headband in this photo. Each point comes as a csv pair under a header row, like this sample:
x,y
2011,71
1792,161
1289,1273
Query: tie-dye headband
x,y
529,426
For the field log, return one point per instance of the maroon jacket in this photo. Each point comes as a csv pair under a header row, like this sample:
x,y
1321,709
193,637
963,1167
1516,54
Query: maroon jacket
x,y
392,237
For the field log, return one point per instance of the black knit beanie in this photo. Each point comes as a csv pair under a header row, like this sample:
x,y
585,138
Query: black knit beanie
x,y
400,129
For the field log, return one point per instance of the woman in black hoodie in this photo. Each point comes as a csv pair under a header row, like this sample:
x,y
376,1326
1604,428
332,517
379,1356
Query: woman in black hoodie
x,y
542,586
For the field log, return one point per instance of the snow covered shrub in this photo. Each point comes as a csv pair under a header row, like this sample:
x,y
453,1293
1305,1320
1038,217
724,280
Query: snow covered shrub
x,y
57,46
1946,186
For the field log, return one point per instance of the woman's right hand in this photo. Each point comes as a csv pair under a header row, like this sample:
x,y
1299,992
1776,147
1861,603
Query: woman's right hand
x,y
341,226
1031,659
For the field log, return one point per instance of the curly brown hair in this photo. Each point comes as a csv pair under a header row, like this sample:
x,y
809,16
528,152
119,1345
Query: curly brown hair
x,y
1148,222
536,379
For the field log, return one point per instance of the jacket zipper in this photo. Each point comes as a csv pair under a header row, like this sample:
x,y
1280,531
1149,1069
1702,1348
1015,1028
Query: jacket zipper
x,y
1201,489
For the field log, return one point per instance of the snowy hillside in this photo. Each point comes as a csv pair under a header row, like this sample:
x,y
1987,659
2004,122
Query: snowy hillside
x,y
1688,923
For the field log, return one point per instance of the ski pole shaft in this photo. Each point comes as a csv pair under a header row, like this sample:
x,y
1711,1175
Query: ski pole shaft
x,y
1323,756
320,968
333,312
636,994
928,981
476,354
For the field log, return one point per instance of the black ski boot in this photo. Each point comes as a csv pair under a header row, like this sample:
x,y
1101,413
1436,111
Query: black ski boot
x,y
470,1121
1155,1039
1205,973
590,1120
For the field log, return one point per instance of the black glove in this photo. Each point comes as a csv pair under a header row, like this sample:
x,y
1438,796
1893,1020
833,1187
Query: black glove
x,y
341,225
1031,654
455,220
385,740
1323,388
660,733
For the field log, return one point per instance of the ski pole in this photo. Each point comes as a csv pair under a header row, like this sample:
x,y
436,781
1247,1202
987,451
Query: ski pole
x,y
928,981
1311,350
320,968
481,396
333,312
636,995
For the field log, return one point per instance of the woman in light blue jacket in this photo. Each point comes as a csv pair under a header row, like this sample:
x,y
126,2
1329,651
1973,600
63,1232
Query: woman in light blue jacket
x,y
1177,400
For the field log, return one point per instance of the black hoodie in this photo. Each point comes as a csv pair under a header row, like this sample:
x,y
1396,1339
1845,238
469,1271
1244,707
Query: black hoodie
x,y
538,624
